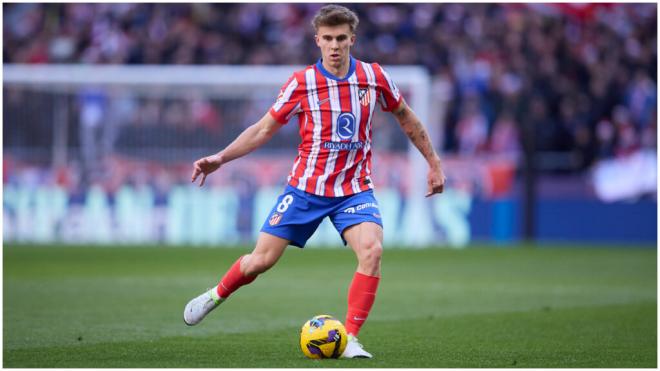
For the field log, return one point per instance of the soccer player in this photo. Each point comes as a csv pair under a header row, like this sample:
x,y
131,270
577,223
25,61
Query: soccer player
x,y
334,100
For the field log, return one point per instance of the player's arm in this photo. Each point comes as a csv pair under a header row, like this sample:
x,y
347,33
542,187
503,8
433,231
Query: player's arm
x,y
417,134
250,139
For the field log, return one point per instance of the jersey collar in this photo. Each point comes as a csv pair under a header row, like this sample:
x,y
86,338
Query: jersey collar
x,y
351,69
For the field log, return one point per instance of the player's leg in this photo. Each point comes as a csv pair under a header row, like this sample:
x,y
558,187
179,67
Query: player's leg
x,y
267,252
291,222
366,240
358,221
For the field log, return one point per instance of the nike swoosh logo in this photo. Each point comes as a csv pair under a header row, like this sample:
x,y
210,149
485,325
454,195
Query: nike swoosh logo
x,y
358,318
322,101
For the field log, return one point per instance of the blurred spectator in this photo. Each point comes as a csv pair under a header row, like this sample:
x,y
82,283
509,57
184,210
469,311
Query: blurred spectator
x,y
505,137
627,137
605,134
642,99
472,129
563,67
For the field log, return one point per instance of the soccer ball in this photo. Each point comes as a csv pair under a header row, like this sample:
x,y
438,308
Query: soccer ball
x,y
323,336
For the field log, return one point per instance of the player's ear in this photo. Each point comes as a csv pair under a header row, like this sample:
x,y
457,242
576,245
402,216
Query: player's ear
x,y
316,39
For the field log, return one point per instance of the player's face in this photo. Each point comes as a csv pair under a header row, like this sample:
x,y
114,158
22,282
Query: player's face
x,y
335,43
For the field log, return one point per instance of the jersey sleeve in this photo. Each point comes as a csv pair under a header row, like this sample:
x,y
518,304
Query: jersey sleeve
x,y
389,95
288,101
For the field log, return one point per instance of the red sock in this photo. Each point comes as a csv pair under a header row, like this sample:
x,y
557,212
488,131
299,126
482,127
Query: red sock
x,y
232,280
361,296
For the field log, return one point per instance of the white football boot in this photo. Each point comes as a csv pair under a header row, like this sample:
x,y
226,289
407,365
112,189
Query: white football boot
x,y
199,307
354,349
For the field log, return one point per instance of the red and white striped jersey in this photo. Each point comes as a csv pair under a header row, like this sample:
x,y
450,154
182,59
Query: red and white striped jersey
x,y
334,156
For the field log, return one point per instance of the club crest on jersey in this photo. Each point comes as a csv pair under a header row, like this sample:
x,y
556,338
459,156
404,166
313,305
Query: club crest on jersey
x,y
365,96
345,125
275,219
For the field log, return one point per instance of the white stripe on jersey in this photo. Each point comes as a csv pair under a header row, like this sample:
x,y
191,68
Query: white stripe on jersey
x,y
312,97
335,109
286,95
371,78
355,101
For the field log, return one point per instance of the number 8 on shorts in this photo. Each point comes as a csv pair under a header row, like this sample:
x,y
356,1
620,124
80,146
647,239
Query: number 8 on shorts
x,y
284,204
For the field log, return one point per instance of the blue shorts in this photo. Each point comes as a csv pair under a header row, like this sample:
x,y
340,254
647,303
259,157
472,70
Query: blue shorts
x,y
297,214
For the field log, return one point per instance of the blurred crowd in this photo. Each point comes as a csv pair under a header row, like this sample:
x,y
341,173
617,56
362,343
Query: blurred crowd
x,y
575,80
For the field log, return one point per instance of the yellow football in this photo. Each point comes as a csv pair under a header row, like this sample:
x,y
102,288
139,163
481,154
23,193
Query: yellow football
x,y
323,336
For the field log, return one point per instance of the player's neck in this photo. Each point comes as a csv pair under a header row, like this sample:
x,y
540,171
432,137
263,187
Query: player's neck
x,y
339,71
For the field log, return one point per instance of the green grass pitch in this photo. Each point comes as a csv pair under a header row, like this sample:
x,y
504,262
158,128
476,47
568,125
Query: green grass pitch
x,y
479,307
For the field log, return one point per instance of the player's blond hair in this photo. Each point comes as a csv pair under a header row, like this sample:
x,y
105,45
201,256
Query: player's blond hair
x,y
335,15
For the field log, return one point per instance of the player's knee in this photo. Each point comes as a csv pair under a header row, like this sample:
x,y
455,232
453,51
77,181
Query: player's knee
x,y
372,252
257,264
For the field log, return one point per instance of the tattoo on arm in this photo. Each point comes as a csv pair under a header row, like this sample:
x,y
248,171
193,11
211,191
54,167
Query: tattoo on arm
x,y
402,112
416,132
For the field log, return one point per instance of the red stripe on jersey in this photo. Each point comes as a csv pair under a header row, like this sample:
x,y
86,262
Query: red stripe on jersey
x,y
323,92
301,159
304,120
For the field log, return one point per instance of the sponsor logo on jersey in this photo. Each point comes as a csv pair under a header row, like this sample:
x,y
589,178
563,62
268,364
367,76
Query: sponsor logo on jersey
x,y
275,219
345,128
343,146
365,96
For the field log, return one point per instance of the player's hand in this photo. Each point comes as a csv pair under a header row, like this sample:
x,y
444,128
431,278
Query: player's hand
x,y
436,181
205,166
